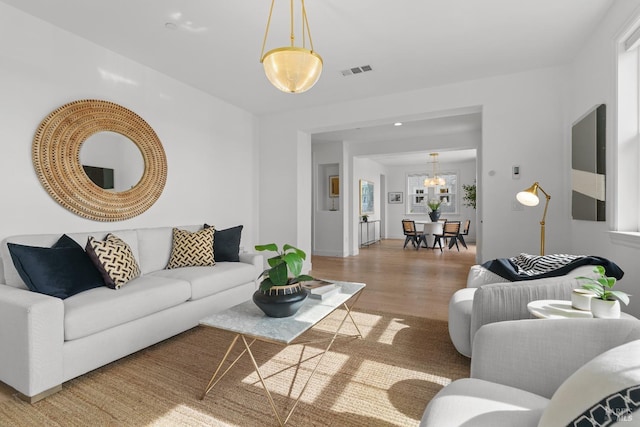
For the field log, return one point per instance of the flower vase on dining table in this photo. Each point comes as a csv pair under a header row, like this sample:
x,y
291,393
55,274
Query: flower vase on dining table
x,y
434,215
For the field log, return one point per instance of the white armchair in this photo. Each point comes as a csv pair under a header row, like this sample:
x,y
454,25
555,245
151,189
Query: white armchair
x,y
489,298
545,373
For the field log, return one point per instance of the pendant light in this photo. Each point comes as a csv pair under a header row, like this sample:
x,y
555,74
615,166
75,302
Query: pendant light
x,y
435,180
292,69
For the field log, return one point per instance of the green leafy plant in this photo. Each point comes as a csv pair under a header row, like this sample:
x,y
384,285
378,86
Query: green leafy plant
x,y
469,198
286,266
434,204
602,286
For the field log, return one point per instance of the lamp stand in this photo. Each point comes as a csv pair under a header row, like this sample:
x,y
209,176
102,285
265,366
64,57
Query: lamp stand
x,y
542,222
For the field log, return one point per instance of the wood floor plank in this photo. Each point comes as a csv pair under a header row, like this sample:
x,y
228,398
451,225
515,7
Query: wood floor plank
x,y
402,281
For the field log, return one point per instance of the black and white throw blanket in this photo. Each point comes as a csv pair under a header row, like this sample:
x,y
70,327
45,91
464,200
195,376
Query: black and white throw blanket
x,y
529,267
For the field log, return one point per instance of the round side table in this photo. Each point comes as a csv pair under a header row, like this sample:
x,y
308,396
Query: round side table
x,y
560,309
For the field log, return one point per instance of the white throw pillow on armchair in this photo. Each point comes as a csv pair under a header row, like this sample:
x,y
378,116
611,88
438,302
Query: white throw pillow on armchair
x,y
603,392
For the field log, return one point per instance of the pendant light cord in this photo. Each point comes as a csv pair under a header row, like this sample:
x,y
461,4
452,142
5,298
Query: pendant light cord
x,y
266,31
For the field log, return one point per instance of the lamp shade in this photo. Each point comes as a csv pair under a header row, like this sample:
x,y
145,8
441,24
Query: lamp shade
x,y
529,197
292,69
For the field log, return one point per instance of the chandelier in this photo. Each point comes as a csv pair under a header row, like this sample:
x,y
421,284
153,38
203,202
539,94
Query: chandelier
x,y
436,180
292,69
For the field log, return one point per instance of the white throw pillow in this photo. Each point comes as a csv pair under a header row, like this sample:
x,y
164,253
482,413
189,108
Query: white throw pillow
x,y
605,391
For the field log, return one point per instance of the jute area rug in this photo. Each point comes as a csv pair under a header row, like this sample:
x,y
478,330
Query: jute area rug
x,y
385,379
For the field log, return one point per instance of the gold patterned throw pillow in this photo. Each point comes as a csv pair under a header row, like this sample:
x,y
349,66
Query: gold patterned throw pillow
x,y
114,259
192,249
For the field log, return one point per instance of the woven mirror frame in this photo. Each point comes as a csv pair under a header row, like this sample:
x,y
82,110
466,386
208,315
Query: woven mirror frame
x,y
56,159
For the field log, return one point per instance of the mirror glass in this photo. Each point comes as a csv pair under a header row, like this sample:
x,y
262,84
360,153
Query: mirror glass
x,y
112,161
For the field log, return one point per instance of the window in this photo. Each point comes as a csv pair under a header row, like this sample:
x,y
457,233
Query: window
x,y
627,189
419,195
625,175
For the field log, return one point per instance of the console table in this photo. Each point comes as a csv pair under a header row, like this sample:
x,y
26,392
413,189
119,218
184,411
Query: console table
x,y
369,232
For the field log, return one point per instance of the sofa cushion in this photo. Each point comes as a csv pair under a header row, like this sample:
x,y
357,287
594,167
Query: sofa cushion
x,y
479,403
102,308
226,243
60,271
114,259
192,249
607,387
207,281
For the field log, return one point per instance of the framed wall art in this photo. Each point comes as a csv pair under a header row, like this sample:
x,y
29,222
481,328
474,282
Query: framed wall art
x,y
395,197
366,197
334,186
588,166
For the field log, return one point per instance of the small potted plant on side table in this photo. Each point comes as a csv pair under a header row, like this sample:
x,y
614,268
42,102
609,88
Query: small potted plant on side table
x,y
606,301
280,293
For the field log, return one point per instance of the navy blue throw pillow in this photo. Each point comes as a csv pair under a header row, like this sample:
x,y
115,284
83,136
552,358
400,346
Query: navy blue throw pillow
x,y
226,244
60,271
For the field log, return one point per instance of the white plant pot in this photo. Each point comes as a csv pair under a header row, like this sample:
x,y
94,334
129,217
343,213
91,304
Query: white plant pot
x,y
605,309
581,299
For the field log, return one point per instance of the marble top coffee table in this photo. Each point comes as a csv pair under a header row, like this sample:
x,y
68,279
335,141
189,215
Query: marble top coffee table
x,y
249,324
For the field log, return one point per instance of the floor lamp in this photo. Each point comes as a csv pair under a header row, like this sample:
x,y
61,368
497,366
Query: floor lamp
x,y
529,197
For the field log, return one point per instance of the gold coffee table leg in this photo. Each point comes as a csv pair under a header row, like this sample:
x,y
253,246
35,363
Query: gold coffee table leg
x,y
311,375
266,390
226,355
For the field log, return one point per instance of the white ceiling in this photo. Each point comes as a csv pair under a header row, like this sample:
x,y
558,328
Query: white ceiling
x,y
214,45
411,130
410,44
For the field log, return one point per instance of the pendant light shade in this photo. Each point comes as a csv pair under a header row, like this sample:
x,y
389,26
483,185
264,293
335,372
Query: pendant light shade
x,y
292,69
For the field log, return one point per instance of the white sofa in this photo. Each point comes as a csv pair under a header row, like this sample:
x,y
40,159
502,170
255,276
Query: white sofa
x,y
546,373
490,298
47,341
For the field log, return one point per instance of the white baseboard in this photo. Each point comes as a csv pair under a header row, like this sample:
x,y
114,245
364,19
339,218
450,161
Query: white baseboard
x,y
329,253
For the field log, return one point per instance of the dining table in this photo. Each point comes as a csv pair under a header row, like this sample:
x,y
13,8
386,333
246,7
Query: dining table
x,y
429,228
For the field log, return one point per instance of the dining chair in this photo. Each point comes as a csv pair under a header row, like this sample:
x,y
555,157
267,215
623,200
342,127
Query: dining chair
x,y
464,232
451,231
411,234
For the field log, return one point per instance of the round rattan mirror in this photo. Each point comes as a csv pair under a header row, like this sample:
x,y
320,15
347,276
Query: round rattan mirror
x,y
56,158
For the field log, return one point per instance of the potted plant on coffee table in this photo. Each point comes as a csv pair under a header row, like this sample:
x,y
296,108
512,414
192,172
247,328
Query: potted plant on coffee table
x,y
280,293
606,301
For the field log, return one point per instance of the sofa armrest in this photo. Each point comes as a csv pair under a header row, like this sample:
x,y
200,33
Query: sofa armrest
x,y
478,276
508,301
257,260
538,355
252,258
32,336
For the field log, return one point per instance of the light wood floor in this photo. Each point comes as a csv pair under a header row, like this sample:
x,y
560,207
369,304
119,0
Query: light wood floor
x,y
402,281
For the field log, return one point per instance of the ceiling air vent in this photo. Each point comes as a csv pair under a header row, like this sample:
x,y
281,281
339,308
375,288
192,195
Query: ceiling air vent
x,y
356,70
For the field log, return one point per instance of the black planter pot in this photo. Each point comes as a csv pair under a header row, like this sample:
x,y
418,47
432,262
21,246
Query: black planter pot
x,y
434,215
280,301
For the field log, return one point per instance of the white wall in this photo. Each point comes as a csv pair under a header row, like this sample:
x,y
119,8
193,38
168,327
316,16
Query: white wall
x,y
592,81
328,224
522,124
210,145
